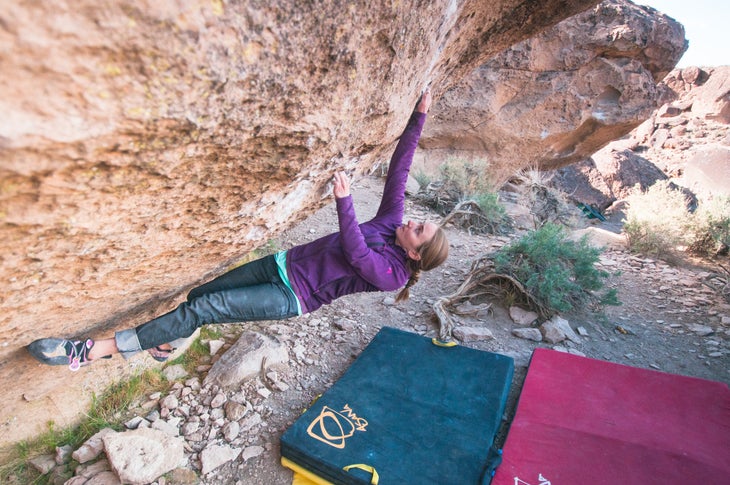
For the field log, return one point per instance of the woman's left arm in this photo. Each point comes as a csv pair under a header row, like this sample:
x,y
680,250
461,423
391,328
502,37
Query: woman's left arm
x,y
370,265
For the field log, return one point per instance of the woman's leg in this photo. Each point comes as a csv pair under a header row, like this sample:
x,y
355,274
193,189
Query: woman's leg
x,y
268,301
251,292
254,291
263,270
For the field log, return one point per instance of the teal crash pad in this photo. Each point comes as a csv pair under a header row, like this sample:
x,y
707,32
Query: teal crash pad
x,y
413,411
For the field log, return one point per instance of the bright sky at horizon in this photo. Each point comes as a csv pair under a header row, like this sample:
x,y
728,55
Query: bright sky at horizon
x,y
706,24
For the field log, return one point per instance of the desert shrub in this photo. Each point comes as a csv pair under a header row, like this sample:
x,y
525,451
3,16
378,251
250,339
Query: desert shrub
x,y
657,220
468,177
490,206
546,203
658,223
557,272
465,196
422,178
709,227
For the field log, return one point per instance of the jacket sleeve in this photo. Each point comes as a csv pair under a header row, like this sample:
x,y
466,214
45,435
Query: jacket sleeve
x,y
370,265
392,203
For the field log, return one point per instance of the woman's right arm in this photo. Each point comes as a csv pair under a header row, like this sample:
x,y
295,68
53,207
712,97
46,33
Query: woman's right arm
x,y
392,203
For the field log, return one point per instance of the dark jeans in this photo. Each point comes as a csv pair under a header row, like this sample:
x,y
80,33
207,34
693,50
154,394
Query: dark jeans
x,y
250,292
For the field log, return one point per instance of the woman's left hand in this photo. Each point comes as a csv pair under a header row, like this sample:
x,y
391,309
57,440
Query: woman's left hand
x,y
342,185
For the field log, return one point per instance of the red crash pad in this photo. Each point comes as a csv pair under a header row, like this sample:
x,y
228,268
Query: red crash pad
x,y
587,421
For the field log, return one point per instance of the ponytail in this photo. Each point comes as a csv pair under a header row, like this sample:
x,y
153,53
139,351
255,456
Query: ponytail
x,y
405,293
433,253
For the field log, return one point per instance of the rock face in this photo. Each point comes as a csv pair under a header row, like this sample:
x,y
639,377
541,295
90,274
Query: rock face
x,y
558,97
145,146
687,140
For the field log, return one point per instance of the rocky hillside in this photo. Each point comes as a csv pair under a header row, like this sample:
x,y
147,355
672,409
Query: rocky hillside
x,y
221,422
686,140
145,146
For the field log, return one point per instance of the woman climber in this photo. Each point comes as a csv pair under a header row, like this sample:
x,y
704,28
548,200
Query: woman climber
x,y
382,254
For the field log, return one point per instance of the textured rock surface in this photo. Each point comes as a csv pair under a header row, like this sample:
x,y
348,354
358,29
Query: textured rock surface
x,y
558,97
145,146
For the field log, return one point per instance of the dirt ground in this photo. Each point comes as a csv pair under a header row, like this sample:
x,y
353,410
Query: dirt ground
x,y
653,328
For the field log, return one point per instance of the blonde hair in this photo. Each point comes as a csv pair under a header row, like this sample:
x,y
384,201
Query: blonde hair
x,y
433,254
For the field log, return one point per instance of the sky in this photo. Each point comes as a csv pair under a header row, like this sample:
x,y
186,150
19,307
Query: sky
x,y
707,27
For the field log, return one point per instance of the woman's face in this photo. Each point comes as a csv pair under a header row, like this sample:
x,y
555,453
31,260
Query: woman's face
x,y
413,235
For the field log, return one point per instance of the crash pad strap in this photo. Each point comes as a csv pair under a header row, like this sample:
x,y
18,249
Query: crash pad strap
x,y
375,478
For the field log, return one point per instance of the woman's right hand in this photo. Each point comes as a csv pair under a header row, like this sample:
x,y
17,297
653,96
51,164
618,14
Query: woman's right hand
x,y
342,185
425,102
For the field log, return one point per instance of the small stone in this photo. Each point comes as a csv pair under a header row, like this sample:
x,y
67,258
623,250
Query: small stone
x,y
214,456
701,330
63,454
174,372
184,476
250,422
43,463
189,428
170,402
134,422
91,470
388,301
215,346
231,431
152,403
345,324
251,452
165,427
521,316
533,334
91,447
263,392
473,334
234,411
218,400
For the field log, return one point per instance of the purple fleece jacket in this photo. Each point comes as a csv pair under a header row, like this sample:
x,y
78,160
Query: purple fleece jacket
x,y
360,257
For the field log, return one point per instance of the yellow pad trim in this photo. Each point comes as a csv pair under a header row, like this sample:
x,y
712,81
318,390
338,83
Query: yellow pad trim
x,y
375,478
302,476
441,343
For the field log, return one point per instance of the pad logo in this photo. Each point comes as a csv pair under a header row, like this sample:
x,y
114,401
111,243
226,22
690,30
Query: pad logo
x,y
543,480
333,428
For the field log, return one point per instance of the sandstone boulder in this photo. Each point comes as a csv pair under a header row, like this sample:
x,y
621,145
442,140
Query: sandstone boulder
x,y
147,146
558,97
